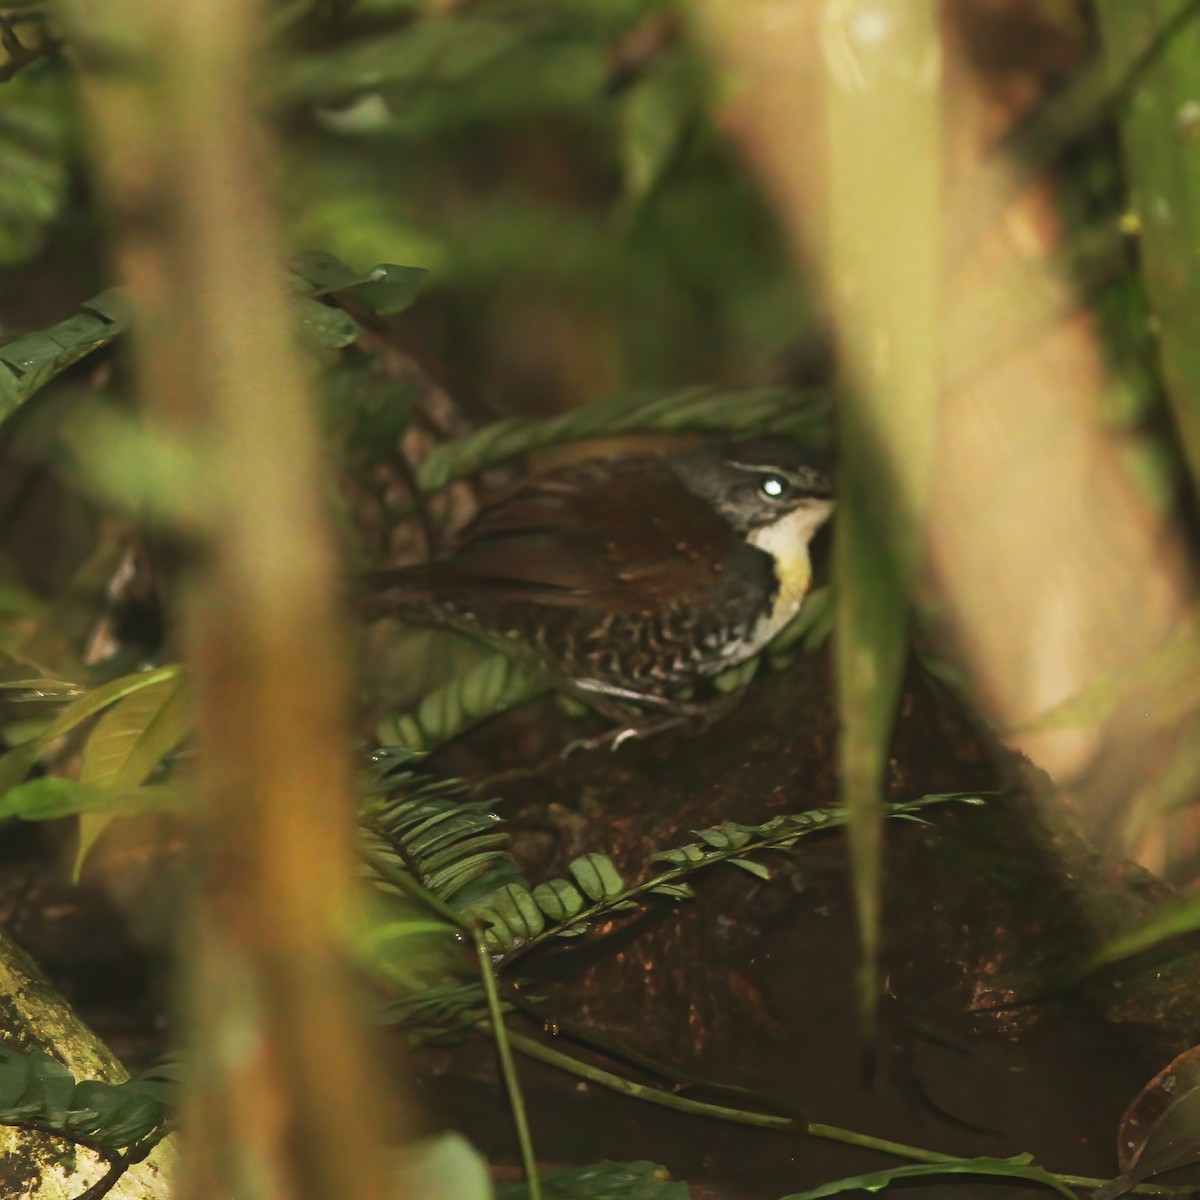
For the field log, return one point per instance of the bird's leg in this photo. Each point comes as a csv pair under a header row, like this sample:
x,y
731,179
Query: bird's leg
x,y
670,713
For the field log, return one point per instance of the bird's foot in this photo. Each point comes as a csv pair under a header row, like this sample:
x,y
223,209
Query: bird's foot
x,y
672,714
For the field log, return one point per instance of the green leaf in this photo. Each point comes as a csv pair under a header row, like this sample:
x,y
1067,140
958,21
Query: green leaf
x,y
724,837
326,326
50,1087
1017,1167
597,876
1174,921
30,362
53,797
421,54
388,289
1162,163
14,1078
604,1180
558,899
385,289
654,114
36,125
447,1167
15,765
755,868
676,891
871,642
128,743
137,733
519,909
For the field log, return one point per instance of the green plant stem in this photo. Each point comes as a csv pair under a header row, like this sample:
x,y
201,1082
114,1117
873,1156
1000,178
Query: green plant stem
x,y
831,1133
503,1039
406,883
573,1030
823,819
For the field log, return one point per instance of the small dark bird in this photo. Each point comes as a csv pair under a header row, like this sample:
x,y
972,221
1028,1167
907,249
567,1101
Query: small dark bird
x,y
630,576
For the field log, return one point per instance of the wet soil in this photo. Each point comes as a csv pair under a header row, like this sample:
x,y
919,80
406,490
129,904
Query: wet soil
x,y
981,1050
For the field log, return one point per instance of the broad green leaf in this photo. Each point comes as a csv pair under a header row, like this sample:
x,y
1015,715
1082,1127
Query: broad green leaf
x,y
14,1078
1019,1167
326,326
137,733
128,743
29,362
385,289
51,1087
388,289
15,765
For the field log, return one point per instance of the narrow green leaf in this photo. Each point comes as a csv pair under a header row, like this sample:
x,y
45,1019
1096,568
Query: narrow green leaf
x,y
676,891
755,868
1175,921
680,855
1018,1167
1163,167
871,642
654,114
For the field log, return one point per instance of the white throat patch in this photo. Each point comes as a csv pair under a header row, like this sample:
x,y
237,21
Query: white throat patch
x,y
786,541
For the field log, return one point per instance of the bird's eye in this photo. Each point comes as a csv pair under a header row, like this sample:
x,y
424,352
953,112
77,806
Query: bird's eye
x,y
774,487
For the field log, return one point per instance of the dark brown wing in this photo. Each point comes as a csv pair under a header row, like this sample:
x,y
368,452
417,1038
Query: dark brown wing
x,y
616,534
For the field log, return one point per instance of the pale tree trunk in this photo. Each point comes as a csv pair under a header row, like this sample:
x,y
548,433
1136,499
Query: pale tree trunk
x,y
286,1098
35,1165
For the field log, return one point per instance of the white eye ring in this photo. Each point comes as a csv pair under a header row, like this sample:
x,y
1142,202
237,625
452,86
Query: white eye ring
x,y
773,487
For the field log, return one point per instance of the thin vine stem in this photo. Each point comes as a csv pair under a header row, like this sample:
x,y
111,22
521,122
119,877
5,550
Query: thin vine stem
x,y
831,1133
502,1038
830,818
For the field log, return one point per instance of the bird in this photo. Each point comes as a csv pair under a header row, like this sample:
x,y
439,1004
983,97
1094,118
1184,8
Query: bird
x,y
631,576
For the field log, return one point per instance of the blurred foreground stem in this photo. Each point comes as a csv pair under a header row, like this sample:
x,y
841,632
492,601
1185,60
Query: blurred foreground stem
x,y
285,1099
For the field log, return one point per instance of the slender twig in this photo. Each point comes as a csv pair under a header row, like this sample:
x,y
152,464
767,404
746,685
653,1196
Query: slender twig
x,y
516,1098
19,55
832,1133
565,1027
120,1163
